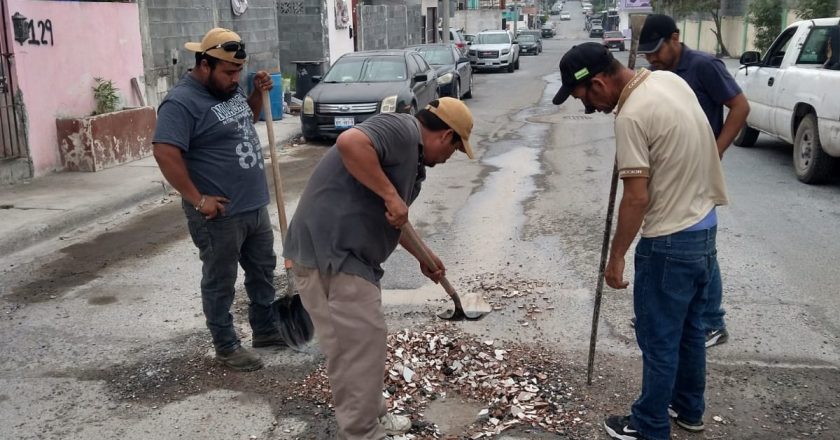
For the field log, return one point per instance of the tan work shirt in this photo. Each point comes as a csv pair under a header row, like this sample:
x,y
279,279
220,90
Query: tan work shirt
x,y
662,134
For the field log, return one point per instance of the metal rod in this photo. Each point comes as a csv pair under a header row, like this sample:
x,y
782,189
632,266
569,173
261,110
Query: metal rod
x,y
636,22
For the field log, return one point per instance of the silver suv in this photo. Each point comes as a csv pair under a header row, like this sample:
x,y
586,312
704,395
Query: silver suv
x,y
494,50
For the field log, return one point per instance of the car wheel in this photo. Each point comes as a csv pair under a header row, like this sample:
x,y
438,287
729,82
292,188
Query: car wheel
x,y
623,48
811,163
516,64
469,90
456,90
510,68
746,137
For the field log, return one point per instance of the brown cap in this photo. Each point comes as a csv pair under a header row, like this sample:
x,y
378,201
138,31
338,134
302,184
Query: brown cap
x,y
458,117
212,42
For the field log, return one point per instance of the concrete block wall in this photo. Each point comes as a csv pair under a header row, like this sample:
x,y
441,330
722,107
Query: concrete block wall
x,y
301,32
167,24
474,21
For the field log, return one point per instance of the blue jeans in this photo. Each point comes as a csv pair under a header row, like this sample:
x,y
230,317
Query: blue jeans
x,y
672,280
245,239
713,317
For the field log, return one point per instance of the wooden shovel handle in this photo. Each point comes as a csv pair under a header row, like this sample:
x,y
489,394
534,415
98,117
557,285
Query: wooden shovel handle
x,y
275,165
415,240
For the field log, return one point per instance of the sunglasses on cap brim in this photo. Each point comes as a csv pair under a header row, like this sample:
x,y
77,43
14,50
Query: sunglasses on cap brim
x,y
232,46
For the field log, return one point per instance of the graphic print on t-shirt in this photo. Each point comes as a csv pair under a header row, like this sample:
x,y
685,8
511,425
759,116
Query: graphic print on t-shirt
x,y
237,111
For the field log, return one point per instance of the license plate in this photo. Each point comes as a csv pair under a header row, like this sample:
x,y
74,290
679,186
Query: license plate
x,y
344,122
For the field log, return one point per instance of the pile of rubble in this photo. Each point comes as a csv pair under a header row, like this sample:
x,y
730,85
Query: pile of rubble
x,y
517,384
500,290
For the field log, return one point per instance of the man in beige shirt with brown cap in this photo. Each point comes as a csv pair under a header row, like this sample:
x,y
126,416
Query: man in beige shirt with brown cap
x,y
345,226
208,149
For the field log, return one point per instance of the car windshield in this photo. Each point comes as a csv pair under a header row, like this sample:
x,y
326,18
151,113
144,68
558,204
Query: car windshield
x,y
437,55
527,38
367,69
613,34
493,39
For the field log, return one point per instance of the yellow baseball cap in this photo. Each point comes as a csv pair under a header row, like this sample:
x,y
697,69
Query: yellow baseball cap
x,y
454,113
221,43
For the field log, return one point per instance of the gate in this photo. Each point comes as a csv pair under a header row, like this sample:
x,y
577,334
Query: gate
x,y
388,26
12,146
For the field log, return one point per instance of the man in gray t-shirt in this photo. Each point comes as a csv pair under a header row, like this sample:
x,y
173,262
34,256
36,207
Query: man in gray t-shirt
x,y
207,148
346,225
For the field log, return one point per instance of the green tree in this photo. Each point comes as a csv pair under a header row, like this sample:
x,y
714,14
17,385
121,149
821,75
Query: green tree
x,y
766,16
683,8
808,9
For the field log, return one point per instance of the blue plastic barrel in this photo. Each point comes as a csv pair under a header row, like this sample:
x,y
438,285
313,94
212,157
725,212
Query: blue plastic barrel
x,y
275,96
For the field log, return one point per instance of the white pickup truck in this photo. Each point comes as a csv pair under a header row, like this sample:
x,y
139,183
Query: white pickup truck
x,y
794,95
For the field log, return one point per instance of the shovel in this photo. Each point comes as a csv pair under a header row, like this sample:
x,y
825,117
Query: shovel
x,y
293,320
471,307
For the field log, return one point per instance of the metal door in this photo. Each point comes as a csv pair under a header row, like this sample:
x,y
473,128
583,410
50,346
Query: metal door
x,y
11,144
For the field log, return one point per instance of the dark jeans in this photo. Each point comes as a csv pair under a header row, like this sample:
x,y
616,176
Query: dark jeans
x,y
245,239
673,276
713,317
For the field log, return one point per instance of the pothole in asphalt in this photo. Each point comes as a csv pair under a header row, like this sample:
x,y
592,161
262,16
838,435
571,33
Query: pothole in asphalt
x,y
502,386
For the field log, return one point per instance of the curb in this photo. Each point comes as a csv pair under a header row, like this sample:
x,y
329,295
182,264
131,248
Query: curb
x,y
36,233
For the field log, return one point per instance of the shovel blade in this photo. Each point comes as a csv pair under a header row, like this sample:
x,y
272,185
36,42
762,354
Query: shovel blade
x,y
293,321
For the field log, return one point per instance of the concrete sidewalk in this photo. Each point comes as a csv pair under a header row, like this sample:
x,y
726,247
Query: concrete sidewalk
x,y
46,207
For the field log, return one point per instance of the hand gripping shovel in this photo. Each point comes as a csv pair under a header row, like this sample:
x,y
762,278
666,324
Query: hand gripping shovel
x,y
293,320
472,306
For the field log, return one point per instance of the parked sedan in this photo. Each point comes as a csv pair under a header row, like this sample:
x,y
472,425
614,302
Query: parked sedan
x,y
596,32
565,15
614,40
454,74
529,44
362,84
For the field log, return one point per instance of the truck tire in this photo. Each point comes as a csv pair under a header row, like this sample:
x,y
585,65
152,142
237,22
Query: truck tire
x,y
810,162
746,137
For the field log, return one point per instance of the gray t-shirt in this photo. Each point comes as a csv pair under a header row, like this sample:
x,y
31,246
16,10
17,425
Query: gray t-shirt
x,y
221,148
339,224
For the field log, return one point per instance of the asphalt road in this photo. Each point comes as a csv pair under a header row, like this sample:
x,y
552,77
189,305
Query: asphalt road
x,y
104,337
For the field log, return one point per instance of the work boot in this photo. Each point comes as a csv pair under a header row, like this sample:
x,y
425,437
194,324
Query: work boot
x,y
394,424
269,340
240,359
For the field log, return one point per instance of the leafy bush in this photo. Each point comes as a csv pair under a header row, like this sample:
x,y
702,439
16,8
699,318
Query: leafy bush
x,y
106,96
766,16
808,9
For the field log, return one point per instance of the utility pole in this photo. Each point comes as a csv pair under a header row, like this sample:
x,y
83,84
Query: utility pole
x,y
445,26
515,18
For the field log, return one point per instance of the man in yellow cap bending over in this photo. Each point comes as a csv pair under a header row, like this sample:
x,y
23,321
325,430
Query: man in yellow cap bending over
x,y
346,225
207,148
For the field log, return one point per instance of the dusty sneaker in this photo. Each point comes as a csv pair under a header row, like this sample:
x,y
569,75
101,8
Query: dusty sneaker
x,y
619,427
240,359
716,337
690,426
685,424
395,424
270,340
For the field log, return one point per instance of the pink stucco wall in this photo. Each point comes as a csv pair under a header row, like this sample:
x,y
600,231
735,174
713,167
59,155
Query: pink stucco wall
x,y
91,39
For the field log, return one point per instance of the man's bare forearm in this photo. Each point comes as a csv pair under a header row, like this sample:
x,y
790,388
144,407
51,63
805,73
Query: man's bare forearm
x,y
174,170
739,109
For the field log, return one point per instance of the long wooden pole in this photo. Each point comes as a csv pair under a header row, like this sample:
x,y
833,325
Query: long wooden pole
x,y
278,184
